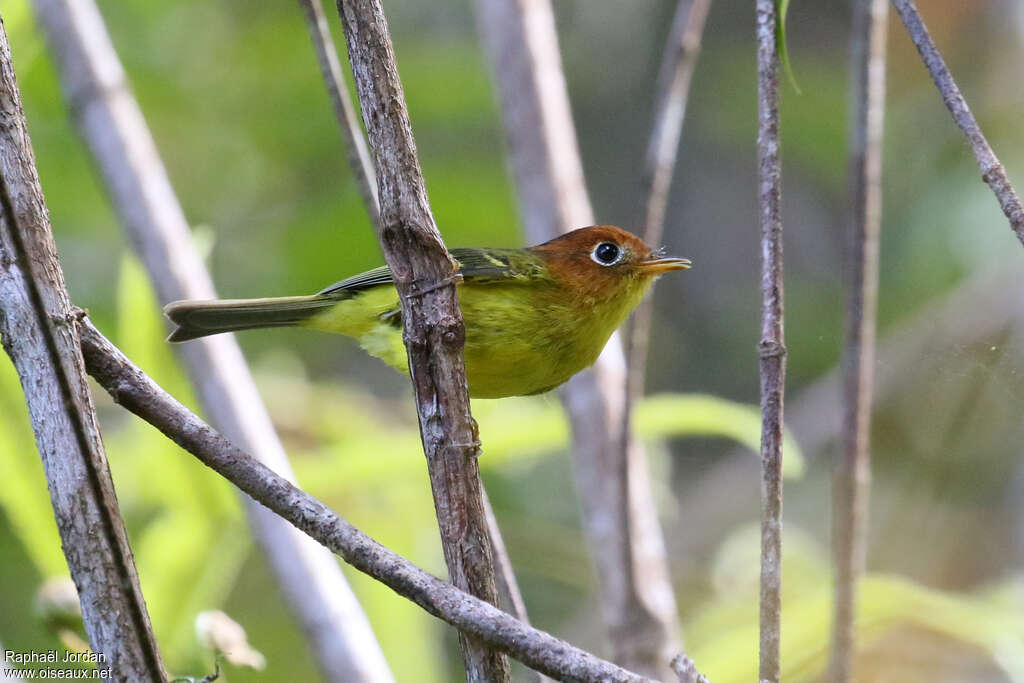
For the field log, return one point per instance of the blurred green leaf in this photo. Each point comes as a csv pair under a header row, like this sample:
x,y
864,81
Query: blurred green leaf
x,y
364,449
781,10
24,496
690,415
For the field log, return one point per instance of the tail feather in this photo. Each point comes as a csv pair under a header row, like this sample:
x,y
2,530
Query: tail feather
x,y
201,318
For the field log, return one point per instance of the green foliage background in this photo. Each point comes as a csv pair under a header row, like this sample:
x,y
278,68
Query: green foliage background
x,y
233,96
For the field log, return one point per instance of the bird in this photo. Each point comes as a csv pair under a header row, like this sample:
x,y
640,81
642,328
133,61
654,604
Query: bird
x,y
534,317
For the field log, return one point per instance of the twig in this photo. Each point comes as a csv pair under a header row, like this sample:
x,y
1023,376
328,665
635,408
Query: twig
x,y
686,670
110,121
619,516
344,109
508,589
674,79
992,171
772,349
131,388
434,332
38,334
853,471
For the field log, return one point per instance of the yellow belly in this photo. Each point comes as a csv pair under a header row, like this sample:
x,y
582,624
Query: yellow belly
x,y
517,342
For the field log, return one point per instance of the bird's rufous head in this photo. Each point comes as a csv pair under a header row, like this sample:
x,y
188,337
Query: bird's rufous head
x,y
602,258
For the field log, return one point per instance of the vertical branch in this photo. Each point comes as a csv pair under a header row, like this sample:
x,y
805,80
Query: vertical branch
x,y
853,472
434,333
619,517
363,168
109,119
992,171
344,109
40,336
772,349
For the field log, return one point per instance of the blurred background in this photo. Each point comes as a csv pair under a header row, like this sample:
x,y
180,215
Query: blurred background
x,y
234,98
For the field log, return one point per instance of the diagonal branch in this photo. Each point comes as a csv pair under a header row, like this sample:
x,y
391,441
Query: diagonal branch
x,y
853,471
38,334
131,388
344,109
434,332
619,517
109,119
674,80
771,348
992,171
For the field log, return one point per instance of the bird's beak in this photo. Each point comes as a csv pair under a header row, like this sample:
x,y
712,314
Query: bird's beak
x,y
663,265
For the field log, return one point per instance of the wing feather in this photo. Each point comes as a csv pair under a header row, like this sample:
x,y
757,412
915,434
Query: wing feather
x,y
477,265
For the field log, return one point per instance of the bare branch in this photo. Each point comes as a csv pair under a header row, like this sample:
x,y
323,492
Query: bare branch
x,y
131,388
992,171
619,516
771,348
344,109
686,670
674,79
434,332
508,589
109,119
853,471
362,167
39,335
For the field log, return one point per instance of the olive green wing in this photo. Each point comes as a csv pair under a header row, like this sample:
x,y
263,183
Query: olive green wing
x,y
475,265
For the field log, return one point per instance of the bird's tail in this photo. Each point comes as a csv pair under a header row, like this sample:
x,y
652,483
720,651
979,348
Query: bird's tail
x,y
201,318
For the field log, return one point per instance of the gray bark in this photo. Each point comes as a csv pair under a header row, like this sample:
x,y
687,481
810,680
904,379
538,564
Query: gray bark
x,y
771,348
853,472
992,171
41,337
131,388
433,329
109,119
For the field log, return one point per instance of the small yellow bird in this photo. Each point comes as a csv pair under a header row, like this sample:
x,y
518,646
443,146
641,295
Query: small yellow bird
x,y
534,317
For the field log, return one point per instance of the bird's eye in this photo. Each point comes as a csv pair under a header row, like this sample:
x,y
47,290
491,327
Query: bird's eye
x,y
606,254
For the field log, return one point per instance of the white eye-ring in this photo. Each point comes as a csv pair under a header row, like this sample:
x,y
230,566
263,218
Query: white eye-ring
x,y
606,254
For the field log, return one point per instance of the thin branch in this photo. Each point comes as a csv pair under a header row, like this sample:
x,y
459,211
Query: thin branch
x,y
771,348
511,599
131,388
344,109
109,119
38,334
686,670
434,332
362,167
992,171
619,516
674,80
853,471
